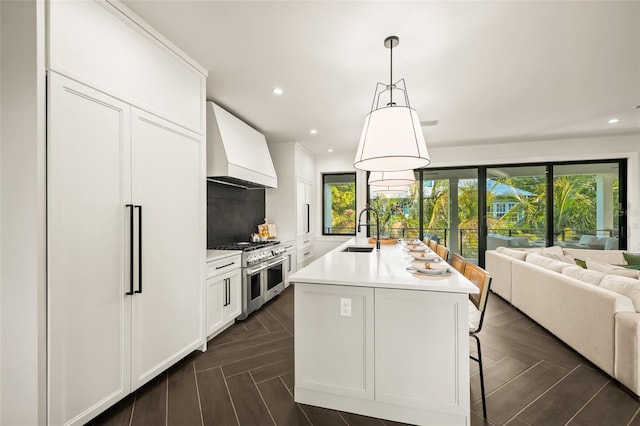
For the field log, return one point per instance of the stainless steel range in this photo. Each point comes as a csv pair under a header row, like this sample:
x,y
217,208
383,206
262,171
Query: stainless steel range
x,y
263,272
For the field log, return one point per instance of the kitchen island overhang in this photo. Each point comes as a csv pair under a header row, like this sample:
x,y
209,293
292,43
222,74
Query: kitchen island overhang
x,y
375,339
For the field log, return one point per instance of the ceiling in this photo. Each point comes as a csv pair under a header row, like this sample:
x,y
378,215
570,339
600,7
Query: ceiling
x,y
487,71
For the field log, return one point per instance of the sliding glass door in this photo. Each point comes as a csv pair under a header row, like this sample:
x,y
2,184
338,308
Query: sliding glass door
x,y
586,205
450,209
516,206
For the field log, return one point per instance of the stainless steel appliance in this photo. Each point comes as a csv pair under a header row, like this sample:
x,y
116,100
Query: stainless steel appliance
x,y
263,272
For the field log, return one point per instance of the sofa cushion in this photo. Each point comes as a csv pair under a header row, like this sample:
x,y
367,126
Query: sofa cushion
x,y
611,269
545,262
584,275
626,286
517,254
632,258
556,253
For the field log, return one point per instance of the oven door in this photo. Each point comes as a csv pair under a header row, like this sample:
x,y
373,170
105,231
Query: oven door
x,y
275,276
253,288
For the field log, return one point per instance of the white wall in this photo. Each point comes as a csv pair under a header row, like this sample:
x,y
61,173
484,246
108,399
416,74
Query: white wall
x,y
22,214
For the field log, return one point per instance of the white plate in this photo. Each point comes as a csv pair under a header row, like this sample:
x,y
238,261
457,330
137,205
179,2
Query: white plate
x,y
429,271
422,255
418,248
432,265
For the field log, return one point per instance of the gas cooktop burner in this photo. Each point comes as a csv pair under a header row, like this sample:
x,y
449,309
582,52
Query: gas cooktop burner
x,y
246,245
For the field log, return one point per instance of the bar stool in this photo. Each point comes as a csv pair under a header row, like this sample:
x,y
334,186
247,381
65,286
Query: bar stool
x,y
481,279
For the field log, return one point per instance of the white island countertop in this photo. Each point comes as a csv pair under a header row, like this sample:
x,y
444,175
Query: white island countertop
x,y
384,269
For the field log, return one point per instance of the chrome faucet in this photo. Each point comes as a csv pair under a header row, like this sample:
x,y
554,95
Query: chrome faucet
x,y
368,225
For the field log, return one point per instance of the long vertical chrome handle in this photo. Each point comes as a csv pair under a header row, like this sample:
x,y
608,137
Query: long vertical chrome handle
x,y
139,290
130,292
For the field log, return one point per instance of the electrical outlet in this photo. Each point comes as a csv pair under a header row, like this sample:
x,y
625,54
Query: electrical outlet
x,y
345,307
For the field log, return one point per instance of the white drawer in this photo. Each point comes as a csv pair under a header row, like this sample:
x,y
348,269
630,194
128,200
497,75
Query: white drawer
x,y
305,254
305,241
222,266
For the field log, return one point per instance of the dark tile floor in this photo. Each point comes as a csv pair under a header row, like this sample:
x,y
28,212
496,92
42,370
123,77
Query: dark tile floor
x,y
246,378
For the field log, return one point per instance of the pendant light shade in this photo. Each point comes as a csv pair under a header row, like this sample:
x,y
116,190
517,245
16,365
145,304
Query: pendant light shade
x,y
389,190
403,177
392,138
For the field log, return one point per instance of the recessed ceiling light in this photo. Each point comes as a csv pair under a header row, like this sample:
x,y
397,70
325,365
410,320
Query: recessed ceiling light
x,y
278,91
613,121
330,150
313,131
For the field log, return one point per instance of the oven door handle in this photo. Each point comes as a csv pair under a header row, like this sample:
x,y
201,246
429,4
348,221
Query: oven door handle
x,y
276,262
251,271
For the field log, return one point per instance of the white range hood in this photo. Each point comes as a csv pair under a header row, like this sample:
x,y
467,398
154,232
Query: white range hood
x,y
237,154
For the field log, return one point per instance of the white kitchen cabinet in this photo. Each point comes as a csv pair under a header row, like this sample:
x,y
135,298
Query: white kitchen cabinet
x,y
89,315
224,294
292,205
304,210
167,184
125,248
305,251
338,357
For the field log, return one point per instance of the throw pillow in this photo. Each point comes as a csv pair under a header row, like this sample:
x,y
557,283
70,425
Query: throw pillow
x,y
611,269
517,254
584,275
632,258
625,286
581,263
556,253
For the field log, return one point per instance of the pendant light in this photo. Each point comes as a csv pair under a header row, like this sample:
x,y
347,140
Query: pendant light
x,y
389,190
403,177
392,138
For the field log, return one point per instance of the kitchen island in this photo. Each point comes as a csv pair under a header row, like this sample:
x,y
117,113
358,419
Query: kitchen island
x,y
375,339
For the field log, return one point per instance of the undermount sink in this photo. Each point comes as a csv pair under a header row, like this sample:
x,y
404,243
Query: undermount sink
x,y
358,249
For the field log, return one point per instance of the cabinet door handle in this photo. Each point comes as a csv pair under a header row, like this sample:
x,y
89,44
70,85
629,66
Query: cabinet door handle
x,y
308,218
130,292
139,290
228,291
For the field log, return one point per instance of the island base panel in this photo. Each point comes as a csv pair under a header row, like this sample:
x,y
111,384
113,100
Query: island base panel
x,y
379,409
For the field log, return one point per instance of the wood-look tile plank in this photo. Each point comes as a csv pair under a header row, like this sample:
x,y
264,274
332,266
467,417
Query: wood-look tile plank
x,y
118,415
151,403
599,411
478,420
496,375
392,423
280,403
557,406
217,408
183,406
252,322
503,317
270,371
267,320
322,417
247,401
358,420
215,357
507,401
514,422
288,380
236,334
257,361
636,420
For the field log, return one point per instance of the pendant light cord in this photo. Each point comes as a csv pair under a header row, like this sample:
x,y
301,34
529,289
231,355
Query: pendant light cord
x,y
391,76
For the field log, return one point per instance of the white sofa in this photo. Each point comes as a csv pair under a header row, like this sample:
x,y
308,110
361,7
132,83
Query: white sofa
x,y
573,304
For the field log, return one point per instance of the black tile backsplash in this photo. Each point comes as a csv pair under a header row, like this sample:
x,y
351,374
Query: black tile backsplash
x,y
232,213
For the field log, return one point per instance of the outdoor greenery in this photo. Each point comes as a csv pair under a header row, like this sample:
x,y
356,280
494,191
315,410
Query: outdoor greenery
x,y
574,202
343,208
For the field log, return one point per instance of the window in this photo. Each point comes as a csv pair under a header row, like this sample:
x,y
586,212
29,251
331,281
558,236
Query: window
x,y
339,204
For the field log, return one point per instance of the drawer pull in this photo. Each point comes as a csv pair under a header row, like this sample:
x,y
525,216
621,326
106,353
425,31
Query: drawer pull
x,y
307,253
224,266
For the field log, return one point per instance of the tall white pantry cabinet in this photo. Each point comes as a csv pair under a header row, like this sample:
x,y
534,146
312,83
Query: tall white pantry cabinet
x,y
125,207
